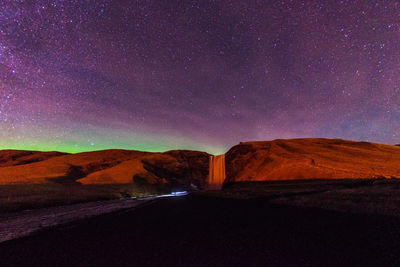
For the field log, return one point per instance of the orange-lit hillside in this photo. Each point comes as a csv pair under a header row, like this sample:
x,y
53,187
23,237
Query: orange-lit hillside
x,y
248,161
104,167
311,158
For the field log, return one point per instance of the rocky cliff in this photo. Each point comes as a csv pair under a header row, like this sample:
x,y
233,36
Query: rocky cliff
x,y
310,159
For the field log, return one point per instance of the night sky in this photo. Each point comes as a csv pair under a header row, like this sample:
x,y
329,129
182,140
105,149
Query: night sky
x,y
158,75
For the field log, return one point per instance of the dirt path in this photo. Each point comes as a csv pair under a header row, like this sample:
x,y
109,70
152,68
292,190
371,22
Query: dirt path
x,y
19,224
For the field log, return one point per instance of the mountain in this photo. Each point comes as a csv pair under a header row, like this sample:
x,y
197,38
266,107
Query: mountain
x,y
311,158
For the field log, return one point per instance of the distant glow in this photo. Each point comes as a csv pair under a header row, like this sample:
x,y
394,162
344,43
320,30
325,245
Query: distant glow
x,y
175,194
179,193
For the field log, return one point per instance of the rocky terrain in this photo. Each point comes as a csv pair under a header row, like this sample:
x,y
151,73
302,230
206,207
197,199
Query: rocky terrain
x,y
312,158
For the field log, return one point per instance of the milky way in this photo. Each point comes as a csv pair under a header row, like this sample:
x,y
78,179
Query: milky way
x,y
157,75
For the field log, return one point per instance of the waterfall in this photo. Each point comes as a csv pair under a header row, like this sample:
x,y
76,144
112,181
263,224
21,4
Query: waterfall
x,y
216,175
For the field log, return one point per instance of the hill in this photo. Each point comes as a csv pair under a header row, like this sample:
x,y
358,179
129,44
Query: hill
x,y
311,158
292,159
104,167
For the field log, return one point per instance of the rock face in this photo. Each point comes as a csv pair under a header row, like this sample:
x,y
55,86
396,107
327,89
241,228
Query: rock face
x,y
175,168
310,159
179,167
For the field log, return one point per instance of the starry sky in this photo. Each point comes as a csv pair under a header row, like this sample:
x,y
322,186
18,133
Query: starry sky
x,y
85,75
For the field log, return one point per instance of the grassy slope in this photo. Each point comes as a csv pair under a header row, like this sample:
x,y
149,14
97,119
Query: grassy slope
x,y
310,159
59,167
376,196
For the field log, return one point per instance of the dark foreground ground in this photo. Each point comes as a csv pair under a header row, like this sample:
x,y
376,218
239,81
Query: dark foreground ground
x,y
204,230
15,198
